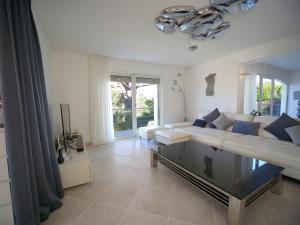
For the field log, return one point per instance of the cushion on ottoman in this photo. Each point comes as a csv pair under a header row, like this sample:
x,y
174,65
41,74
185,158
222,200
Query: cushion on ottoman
x,y
170,136
149,131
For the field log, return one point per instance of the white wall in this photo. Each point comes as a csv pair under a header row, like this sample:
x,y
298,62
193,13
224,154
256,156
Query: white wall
x,y
294,82
267,71
229,87
226,87
70,84
46,52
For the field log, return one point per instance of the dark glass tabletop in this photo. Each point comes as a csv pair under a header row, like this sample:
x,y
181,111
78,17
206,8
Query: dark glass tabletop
x,y
233,173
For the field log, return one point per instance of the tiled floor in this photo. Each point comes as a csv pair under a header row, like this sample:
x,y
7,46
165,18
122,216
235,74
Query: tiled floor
x,y
127,191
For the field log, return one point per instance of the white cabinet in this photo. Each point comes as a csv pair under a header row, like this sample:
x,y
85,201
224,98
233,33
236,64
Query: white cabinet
x,y
77,170
6,215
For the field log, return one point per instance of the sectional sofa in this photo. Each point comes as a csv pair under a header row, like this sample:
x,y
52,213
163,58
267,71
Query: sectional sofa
x,y
265,146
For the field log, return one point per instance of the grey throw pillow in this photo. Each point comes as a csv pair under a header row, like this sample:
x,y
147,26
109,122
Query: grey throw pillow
x,y
212,116
294,133
245,127
222,122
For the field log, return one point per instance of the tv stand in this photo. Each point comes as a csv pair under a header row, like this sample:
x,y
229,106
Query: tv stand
x,y
76,170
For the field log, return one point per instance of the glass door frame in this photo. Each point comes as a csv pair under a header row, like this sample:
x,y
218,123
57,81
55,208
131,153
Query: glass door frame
x,y
133,100
261,77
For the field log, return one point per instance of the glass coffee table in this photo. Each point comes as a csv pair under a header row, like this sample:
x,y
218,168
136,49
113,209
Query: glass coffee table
x,y
235,181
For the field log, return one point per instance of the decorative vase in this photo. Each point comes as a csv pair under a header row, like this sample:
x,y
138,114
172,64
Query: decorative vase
x,y
60,158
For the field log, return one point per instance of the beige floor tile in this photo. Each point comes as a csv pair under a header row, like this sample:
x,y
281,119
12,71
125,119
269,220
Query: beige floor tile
x,y
88,191
101,214
121,174
66,215
138,218
178,222
219,213
193,207
153,201
118,194
124,179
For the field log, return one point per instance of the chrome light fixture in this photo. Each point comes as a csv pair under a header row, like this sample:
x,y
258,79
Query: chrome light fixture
x,y
203,24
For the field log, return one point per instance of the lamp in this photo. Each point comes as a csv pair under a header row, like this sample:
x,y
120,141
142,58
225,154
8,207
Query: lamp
x,y
179,87
297,97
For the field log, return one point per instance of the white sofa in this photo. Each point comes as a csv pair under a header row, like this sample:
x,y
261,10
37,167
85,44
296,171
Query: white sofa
x,y
264,147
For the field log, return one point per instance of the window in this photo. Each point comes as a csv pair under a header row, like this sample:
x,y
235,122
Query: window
x,y
271,96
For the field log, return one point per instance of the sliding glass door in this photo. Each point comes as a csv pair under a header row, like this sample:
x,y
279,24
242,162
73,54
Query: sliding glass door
x,y
135,103
121,91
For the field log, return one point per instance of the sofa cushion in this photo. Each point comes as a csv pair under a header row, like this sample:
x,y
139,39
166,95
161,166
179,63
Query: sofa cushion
x,y
294,133
199,123
277,128
171,134
245,127
239,116
212,137
265,121
278,152
222,122
212,116
177,125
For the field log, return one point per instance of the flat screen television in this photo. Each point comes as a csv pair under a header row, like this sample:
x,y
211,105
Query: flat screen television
x,y
66,124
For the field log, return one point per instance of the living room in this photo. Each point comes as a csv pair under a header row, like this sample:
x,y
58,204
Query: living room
x,y
130,87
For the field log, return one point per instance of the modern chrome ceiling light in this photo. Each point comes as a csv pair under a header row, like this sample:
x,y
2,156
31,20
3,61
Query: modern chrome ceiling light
x,y
204,23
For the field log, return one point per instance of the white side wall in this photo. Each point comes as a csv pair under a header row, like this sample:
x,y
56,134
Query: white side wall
x,y
46,52
70,84
294,86
229,87
226,87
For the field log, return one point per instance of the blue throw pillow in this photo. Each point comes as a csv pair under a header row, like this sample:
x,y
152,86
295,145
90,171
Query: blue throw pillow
x,y
245,127
199,123
277,128
211,117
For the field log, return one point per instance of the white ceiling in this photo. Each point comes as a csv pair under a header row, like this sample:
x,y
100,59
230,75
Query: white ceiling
x,y
125,29
288,62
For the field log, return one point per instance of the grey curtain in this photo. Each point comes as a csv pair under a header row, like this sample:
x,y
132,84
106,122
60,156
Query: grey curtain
x,y
35,181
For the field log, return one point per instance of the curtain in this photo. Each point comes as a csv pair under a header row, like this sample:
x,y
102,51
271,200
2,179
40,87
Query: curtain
x,y
250,94
35,181
101,104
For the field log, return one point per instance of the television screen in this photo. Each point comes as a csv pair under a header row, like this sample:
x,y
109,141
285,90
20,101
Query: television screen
x,y
65,118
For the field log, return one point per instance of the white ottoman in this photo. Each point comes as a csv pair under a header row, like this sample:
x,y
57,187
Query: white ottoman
x,y
170,136
178,125
148,132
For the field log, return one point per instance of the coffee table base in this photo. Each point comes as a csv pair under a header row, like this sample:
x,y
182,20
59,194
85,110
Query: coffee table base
x,y
236,207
